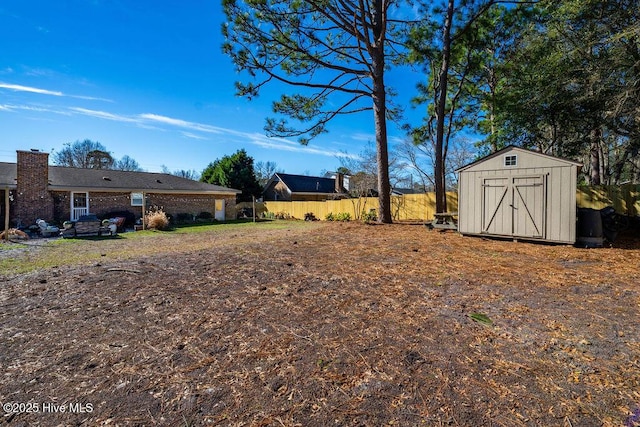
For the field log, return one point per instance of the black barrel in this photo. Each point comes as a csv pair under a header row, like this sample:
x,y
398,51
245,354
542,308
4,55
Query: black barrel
x,y
590,234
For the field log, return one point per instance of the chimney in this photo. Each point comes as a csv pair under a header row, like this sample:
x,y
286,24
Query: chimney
x,y
339,180
33,199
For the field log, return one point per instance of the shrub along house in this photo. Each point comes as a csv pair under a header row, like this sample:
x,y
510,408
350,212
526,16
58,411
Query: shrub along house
x,y
32,189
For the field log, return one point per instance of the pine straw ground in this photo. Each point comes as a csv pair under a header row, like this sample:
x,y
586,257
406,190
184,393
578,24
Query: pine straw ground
x,y
330,324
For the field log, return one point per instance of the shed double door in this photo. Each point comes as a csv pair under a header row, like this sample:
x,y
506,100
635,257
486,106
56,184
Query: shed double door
x,y
514,206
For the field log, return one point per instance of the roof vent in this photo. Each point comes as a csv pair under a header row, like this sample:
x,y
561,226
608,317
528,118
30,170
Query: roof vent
x,y
106,178
35,150
158,181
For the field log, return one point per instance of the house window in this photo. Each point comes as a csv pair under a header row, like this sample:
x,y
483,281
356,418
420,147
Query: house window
x,y
80,200
510,160
137,199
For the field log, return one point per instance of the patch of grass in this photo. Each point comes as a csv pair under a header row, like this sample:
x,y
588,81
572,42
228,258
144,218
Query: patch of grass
x,y
238,224
12,265
4,245
181,239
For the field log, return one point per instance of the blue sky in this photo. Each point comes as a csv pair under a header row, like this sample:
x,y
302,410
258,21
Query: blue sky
x,y
146,79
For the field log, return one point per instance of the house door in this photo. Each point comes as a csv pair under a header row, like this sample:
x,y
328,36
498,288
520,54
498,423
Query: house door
x,y
79,205
219,210
514,206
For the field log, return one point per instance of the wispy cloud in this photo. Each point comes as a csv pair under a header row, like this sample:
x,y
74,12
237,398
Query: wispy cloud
x,y
365,137
30,89
34,108
103,115
188,129
90,98
192,135
38,72
282,144
20,88
398,139
254,138
181,123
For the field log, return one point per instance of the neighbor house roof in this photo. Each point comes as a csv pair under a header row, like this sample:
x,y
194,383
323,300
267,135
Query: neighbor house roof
x,y
305,184
78,179
404,191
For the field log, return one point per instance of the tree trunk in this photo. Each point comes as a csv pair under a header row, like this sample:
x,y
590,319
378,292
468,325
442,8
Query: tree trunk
x,y
382,157
380,113
594,153
605,179
492,110
443,77
619,166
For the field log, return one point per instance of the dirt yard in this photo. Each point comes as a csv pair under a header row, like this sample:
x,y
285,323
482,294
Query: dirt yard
x,y
325,324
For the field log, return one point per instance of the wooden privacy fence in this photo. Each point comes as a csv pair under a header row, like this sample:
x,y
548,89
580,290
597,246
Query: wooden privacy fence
x,y
625,199
413,206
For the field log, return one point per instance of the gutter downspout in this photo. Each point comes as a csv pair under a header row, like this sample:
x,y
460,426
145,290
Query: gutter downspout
x,y
144,210
6,213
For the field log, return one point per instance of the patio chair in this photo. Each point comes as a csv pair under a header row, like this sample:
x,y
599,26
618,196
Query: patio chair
x,y
47,230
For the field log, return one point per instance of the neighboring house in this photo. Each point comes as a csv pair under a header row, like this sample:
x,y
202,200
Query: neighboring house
x,y
286,187
32,189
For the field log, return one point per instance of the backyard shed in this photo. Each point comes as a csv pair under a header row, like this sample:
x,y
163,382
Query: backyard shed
x,y
521,194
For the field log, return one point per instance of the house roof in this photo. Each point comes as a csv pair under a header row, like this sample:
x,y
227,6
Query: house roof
x,y
78,179
305,184
514,148
403,191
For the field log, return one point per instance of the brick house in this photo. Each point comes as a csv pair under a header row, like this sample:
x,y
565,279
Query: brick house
x,y
31,189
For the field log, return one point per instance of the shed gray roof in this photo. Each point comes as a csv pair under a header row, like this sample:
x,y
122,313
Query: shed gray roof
x,y
72,179
514,148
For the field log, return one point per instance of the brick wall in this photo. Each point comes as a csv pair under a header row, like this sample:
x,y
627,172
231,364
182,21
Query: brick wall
x,y
174,204
33,201
101,203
